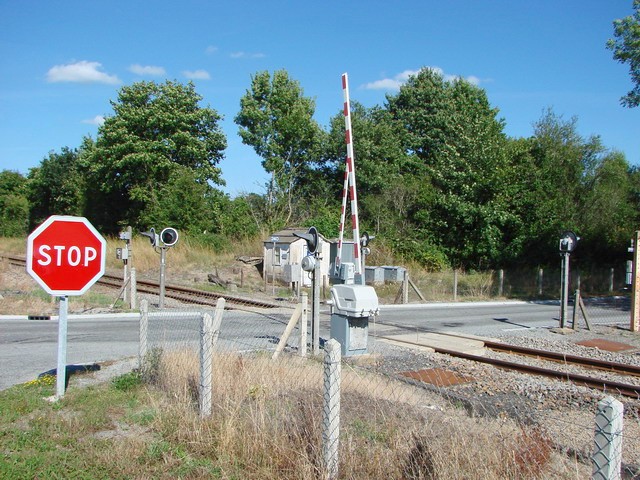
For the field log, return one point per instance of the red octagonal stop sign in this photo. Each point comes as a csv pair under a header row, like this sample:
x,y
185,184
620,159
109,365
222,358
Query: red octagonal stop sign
x,y
66,255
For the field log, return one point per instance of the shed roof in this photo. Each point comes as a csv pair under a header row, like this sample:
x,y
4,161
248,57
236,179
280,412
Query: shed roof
x,y
287,235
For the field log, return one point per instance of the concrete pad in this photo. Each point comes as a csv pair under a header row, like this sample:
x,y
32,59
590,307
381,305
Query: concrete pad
x,y
437,341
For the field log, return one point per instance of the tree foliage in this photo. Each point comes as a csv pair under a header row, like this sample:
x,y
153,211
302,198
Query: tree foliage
x,y
626,49
438,180
14,204
451,127
56,187
276,119
157,132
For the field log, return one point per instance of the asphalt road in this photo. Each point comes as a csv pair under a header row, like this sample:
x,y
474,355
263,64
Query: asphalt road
x,y
477,318
29,347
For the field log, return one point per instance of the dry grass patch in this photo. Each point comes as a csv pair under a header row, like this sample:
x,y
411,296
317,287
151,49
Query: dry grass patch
x,y
267,420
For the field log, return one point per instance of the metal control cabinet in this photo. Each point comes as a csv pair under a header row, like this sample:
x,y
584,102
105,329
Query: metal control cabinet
x,y
352,306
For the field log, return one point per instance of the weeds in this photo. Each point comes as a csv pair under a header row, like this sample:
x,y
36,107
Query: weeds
x,y
127,381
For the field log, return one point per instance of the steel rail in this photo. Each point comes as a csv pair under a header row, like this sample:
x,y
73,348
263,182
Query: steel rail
x,y
624,389
616,367
171,291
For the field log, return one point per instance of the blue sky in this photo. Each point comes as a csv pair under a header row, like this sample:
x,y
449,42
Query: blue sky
x,y
61,63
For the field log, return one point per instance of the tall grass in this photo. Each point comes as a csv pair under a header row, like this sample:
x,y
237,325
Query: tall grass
x,y
266,423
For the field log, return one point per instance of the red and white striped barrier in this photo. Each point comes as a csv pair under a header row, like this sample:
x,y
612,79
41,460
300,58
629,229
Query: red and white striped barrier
x,y
350,186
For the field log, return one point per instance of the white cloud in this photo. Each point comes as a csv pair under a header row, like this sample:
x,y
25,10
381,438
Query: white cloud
x,y
97,120
81,72
211,49
196,74
401,78
147,70
246,55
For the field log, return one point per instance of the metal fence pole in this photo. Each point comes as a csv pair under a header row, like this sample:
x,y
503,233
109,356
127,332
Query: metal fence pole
x,y
304,319
635,293
405,288
455,285
133,283
163,263
144,327
540,280
206,364
607,457
315,314
611,277
331,408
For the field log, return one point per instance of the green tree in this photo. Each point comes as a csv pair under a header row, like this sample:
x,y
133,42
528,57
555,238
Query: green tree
x,y
452,129
569,182
276,119
608,218
157,131
56,186
626,49
14,205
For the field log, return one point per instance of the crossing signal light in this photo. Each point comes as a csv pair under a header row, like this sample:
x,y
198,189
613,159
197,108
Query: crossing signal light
x,y
169,237
312,238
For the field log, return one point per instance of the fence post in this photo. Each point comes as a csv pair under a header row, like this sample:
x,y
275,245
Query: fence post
x,y
304,319
455,285
144,327
500,282
635,289
133,283
331,408
540,280
405,288
611,275
607,457
217,320
206,363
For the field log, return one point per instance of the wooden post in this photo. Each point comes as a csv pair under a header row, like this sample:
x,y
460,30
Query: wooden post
x,y
287,331
635,295
500,282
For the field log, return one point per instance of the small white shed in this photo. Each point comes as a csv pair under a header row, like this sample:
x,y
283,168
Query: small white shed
x,y
283,252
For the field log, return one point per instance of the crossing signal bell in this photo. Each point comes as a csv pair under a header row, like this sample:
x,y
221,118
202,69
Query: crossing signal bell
x,y
312,238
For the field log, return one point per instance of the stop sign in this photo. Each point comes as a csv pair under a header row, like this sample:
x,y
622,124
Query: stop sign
x,y
66,255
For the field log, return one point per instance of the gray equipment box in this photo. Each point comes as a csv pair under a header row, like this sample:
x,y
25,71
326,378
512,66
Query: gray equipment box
x,y
374,275
352,307
292,273
393,274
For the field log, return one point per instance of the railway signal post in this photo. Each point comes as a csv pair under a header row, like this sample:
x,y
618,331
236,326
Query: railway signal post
x,y
568,243
66,256
166,239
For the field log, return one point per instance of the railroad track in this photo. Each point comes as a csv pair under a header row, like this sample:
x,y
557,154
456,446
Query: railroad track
x,y
176,292
606,385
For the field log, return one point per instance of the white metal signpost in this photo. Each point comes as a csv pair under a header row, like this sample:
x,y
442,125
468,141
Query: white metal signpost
x,y
66,256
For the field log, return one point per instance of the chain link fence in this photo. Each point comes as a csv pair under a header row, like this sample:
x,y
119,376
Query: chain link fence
x,y
242,385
